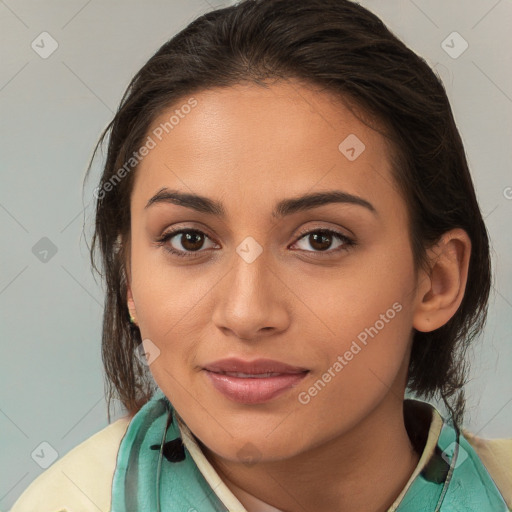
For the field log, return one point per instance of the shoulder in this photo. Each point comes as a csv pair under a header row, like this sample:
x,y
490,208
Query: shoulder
x,y
496,455
81,480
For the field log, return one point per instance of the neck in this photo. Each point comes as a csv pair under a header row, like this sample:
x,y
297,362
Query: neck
x,y
365,469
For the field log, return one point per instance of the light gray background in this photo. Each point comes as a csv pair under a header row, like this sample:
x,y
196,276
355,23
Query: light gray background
x,y
52,113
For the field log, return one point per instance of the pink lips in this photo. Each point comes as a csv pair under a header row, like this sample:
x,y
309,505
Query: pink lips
x,y
253,382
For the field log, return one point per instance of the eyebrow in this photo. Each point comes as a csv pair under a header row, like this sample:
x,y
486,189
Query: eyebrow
x,y
283,208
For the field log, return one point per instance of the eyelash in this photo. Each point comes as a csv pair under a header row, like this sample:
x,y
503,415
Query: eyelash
x,y
347,242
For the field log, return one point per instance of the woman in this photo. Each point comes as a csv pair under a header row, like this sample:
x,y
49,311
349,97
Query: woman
x,y
290,240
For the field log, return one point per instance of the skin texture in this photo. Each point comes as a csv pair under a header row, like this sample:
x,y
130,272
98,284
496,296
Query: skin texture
x,y
249,147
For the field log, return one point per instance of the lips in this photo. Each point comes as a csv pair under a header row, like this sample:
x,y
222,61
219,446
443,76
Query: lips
x,y
256,367
253,382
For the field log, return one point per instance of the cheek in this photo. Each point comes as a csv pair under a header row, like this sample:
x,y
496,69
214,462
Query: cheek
x,y
362,360
163,292
371,294
369,315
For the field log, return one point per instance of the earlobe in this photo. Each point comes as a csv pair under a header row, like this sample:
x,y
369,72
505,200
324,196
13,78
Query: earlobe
x,y
131,306
129,300
440,292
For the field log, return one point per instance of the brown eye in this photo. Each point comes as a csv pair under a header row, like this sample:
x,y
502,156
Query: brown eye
x,y
321,240
183,242
191,240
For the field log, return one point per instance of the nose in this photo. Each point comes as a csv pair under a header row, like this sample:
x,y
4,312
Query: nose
x,y
252,301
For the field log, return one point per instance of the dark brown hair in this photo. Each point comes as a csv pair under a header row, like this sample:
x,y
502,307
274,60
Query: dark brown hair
x,y
344,49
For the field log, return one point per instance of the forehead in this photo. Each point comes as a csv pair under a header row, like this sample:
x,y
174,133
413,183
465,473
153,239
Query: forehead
x,y
252,145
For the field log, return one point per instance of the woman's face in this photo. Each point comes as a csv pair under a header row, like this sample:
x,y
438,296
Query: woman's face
x,y
336,305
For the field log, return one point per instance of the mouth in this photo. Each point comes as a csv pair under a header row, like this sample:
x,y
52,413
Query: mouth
x,y
253,382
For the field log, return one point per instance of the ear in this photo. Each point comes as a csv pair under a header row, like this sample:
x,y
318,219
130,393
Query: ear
x,y
440,291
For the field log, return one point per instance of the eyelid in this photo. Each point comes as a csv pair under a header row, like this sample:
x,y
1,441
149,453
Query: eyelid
x,y
314,229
